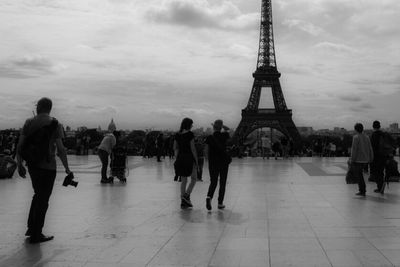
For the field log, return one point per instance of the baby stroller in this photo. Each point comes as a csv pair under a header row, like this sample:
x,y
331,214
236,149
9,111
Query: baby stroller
x,y
118,163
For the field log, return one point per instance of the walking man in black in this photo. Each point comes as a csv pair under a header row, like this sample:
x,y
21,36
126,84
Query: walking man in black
x,y
43,170
378,164
218,162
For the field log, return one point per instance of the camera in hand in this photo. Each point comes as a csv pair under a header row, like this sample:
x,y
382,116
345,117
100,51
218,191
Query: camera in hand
x,y
69,180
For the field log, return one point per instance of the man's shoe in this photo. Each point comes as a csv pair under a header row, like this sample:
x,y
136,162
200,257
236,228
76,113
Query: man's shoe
x,y
40,239
360,194
186,200
107,181
208,203
221,206
28,232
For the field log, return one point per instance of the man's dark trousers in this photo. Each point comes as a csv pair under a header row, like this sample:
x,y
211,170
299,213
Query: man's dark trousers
x,y
377,170
42,183
358,173
221,171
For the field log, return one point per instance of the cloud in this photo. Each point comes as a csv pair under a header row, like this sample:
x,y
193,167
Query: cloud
x,y
350,98
29,66
304,26
362,107
200,14
335,48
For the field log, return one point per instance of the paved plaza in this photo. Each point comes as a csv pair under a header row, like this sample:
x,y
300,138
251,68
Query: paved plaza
x,y
292,212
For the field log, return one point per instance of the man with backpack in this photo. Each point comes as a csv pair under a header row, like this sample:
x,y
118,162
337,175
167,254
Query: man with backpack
x,y
382,148
40,138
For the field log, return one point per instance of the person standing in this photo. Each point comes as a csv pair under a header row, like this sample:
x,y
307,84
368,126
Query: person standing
x,y
218,162
7,165
361,154
43,170
186,161
160,146
378,164
104,151
266,147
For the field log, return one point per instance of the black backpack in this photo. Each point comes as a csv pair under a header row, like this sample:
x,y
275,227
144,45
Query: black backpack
x,y
36,146
386,145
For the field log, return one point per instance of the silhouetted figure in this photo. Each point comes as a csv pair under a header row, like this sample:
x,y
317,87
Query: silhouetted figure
x,y
160,146
104,151
361,154
7,165
186,160
39,154
218,162
381,155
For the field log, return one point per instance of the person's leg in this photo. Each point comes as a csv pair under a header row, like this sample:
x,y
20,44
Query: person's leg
x,y
43,182
35,179
183,185
358,172
379,174
213,180
103,155
222,184
200,169
193,180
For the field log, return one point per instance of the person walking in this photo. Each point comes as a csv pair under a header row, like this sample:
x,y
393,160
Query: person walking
x,y
42,167
160,146
7,165
104,151
218,162
380,157
186,161
361,154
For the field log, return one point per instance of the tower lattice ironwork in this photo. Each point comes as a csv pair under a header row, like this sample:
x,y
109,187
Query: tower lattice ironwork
x,y
266,76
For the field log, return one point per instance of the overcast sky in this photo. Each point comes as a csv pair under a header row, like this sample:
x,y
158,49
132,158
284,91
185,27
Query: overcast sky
x,y
150,63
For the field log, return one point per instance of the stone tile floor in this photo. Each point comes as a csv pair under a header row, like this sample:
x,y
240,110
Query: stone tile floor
x,y
294,212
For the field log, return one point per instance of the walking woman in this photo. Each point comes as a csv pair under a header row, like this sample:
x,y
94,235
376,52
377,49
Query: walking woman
x,y
218,162
186,160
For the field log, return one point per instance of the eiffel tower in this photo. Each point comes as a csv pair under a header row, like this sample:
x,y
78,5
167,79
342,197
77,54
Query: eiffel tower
x,y
266,76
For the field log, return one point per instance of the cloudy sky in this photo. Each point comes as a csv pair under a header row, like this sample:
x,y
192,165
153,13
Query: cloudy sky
x,y
149,63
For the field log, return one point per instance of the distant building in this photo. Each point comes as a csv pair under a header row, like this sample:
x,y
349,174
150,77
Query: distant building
x,y
111,126
394,127
305,130
81,128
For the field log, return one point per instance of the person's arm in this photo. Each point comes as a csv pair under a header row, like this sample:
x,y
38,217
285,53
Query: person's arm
x,y
21,168
354,148
176,149
371,151
194,152
206,151
62,154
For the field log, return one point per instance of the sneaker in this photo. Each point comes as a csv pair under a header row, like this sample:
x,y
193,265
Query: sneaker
x,y
106,181
208,203
221,206
361,194
183,204
40,239
28,232
186,200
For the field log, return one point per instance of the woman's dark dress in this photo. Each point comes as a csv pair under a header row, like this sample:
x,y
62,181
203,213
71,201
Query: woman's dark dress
x,y
184,161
